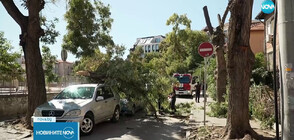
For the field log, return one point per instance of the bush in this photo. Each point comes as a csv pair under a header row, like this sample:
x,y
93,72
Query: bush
x,y
260,75
218,110
261,105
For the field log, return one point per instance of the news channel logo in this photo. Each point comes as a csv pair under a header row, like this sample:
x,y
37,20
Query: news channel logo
x,y
267,6
56,131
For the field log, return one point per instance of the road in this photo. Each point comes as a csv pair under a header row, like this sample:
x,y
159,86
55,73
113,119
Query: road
x,y
144,128
138,127
141,127
184,100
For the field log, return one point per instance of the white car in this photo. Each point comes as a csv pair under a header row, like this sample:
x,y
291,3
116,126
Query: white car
x,y
87,104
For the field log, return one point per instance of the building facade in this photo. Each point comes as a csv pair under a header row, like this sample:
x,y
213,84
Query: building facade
x,y
256,36
268,20
149,44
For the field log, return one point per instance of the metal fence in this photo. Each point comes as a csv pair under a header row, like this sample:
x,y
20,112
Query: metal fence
x,y
14,87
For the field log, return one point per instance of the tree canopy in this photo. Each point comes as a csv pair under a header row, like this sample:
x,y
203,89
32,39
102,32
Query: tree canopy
x,y
9,67
180,48
87,29
49,61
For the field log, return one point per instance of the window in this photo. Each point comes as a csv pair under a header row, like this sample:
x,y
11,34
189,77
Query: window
x,y
153,48
269,29
99,92
107,93
146,49
149,49
157,40
73,92
157,48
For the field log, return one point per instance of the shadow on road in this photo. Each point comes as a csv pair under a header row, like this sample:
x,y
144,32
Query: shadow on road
x,y
138,127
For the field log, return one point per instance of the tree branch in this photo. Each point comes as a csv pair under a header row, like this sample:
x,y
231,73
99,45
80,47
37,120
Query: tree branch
x,y
219,20
227,11
14,12
207,19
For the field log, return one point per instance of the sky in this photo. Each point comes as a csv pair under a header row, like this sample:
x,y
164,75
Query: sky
x,y
132,19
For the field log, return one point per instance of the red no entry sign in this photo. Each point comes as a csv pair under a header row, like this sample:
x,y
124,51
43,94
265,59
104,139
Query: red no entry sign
x,y
205,49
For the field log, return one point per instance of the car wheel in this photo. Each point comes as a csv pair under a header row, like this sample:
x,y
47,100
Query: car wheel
x,y
87,125
115,116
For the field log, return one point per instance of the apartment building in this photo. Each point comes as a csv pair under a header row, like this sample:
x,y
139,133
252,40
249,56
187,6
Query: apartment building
x,y
149,44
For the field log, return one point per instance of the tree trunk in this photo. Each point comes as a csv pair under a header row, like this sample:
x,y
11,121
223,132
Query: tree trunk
x,y
29,40
33,60
219,40
221,79
240,63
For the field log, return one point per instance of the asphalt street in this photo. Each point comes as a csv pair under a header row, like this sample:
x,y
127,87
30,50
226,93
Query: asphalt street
x,y
137,127
140,127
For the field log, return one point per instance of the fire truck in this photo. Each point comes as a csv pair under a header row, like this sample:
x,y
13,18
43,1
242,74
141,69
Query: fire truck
x,y
184,85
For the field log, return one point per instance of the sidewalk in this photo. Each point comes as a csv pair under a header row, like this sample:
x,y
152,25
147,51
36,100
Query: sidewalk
x,y
197,118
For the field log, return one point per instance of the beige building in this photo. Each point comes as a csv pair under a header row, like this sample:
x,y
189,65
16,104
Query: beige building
x,y
63,68
256,36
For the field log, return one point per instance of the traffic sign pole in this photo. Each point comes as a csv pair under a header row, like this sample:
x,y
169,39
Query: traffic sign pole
x,y
205,50
204,86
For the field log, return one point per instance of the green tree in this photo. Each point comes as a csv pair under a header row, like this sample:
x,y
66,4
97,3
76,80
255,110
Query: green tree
x,y
88,28
180,48
137,77
31,32
49,61
260,75
9,68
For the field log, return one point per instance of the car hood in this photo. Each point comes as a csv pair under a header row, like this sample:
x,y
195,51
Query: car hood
x,y
65,104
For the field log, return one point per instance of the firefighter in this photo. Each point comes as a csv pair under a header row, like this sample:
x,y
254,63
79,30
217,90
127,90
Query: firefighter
x,y
198,89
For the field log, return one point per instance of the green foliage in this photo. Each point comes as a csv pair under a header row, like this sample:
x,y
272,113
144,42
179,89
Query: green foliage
x,y
87,28
49,61
141,77
260,75
50,33
211,82
219,110
184,109
261,105
134,78
180,47
9,68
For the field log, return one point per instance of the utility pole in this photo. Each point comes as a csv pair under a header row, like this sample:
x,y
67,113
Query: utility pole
x,y
286,42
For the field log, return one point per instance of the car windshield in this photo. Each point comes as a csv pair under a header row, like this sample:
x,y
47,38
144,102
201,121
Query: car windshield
x,y
183,79
76,93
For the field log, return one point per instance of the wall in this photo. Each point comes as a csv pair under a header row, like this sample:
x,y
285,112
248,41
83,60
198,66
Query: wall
x,y
12,106
257,41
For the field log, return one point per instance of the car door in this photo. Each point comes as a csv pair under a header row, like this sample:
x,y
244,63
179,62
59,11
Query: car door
x,y
99,106
111,101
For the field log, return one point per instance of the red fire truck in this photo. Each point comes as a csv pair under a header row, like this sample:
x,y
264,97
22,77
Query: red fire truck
x,y
184,85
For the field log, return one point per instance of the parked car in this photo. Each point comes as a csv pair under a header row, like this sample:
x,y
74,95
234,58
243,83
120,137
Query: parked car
x,y
87,104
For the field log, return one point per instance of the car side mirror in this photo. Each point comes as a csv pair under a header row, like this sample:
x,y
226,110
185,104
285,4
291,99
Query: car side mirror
x,y
99,98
